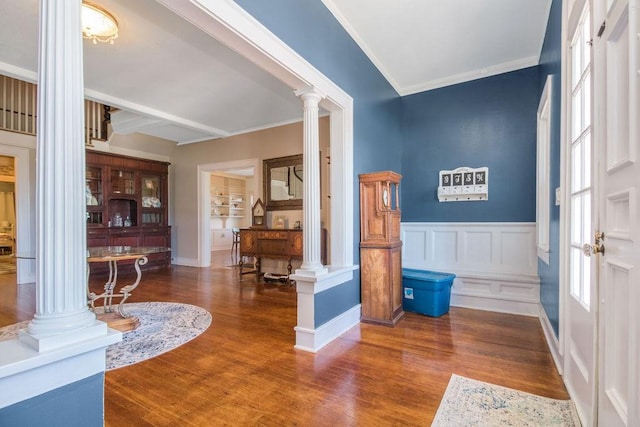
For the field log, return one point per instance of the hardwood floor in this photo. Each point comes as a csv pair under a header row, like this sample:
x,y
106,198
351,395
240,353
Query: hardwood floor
x,y
244,370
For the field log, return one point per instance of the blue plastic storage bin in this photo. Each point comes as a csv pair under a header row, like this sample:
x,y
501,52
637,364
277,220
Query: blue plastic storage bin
x,y
426,292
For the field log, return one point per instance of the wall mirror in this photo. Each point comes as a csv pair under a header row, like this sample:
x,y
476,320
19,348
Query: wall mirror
x,y
283,183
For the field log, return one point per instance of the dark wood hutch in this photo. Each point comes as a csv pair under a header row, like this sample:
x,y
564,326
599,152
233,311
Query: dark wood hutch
x,y
127,204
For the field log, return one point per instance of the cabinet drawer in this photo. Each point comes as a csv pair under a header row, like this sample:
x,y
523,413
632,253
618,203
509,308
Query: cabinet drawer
x,y
97,240
155,240
125,240
272,234
273,247
124,231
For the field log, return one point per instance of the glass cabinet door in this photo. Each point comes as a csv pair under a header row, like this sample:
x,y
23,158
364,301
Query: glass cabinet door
x,y
123,182
94,194
152,199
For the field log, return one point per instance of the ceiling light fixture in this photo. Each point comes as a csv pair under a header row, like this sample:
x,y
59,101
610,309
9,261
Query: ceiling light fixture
x,y
98,24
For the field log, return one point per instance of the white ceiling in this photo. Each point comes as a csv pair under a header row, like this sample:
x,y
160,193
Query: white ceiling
x,y
420,45
173,81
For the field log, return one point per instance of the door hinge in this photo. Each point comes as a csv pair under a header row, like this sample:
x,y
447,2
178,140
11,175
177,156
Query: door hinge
x,y
602,27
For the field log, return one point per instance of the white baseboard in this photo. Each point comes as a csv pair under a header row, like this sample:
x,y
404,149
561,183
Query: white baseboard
x,y
313,340
187,262
552,341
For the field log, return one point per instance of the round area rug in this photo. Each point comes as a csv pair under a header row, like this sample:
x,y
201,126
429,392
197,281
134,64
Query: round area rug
x,y
163,327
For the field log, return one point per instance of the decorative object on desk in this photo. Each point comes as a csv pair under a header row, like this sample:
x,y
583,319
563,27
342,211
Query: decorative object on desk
x,y
472,402
257,215
280,222
463,184
164,326
297,225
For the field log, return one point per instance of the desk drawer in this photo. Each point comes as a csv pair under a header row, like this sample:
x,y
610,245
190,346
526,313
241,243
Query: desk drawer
x,y
273,247
273,234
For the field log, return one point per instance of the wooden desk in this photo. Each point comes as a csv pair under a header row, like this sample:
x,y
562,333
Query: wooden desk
x,y
117,318
275,244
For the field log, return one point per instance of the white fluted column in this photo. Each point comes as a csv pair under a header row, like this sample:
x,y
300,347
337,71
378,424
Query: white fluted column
x,y
62,315
311,258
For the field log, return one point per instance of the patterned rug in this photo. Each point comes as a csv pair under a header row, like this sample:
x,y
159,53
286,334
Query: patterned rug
x,y
163,327
469,402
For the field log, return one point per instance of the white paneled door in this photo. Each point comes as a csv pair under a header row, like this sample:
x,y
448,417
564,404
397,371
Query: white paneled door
x,y
580,307
617,51
602,315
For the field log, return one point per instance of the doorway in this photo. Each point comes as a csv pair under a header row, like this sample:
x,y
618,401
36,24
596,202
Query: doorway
x,y
247,167
7,215
21,148
232,196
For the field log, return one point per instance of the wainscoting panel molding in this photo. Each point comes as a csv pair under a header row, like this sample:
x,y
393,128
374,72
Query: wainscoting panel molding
x,y
495,263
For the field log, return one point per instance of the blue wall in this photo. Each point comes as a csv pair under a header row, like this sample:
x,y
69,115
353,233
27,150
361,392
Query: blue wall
x,y
77,404
550,64
487,122
312,31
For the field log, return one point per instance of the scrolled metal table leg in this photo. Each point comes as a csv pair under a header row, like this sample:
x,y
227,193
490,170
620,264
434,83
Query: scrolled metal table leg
x,y
125,292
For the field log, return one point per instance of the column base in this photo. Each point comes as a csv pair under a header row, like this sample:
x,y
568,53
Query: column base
x,y
311,270
42,343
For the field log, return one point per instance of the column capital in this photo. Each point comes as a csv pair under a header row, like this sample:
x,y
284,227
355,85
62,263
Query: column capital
x,y
310,94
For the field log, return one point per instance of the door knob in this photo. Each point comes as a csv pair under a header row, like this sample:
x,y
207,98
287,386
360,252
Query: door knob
x,y
597,248
587,249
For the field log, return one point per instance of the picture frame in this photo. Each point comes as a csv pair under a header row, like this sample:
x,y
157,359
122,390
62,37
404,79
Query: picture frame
x,y
280,222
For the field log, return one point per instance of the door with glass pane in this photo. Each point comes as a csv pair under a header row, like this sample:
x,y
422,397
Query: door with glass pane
x,y
580,343
616,93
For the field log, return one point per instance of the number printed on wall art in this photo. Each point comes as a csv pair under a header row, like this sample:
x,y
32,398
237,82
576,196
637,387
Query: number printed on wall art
x,y
463,184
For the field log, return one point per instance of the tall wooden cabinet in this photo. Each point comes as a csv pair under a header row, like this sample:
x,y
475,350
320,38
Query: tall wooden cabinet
x,y
380,248
127,201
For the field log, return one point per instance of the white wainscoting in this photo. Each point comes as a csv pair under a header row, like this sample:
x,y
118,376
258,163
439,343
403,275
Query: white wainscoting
x,y
495,263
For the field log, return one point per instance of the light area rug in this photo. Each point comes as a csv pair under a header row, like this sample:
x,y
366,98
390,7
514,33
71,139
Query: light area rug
x,y
164,326
469,402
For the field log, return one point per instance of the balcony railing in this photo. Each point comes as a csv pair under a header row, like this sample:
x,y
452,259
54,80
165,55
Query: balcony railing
x,y
19,107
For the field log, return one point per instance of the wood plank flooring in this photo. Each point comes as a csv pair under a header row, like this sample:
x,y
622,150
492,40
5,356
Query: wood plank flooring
x,y
244,370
